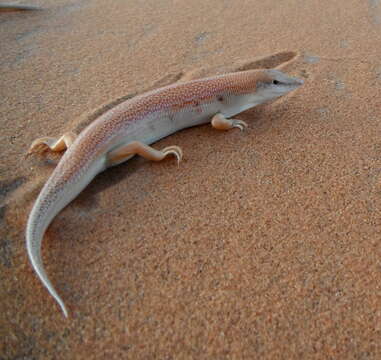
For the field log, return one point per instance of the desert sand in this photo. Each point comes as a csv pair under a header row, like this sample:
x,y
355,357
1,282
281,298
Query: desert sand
x,y
260,245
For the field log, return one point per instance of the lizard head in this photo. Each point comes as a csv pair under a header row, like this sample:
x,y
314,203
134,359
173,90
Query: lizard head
x,y
257,87
274,84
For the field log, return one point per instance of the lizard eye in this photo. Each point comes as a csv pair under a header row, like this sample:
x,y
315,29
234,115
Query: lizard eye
x,y
276,82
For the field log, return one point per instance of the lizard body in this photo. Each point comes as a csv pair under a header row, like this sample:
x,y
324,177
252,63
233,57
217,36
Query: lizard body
x,y
130,127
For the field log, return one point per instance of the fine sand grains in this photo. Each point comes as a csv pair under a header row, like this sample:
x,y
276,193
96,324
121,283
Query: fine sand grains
x,y
262,244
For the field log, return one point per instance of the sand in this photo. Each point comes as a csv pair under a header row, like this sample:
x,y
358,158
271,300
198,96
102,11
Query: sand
x,y
261,245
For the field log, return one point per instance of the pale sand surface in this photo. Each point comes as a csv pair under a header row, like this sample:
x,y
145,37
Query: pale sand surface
x,y
261,245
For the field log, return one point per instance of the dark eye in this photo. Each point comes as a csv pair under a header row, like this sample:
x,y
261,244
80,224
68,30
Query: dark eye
x,y
276,82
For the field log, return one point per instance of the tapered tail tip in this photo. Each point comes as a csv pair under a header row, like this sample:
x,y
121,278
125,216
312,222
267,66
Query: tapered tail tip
x,y
65,313
60,303
63,308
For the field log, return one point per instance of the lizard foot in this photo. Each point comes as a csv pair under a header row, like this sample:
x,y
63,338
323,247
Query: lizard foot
x,y
220,122
43,144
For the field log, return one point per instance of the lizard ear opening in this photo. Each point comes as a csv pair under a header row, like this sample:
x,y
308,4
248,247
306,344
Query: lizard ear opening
x,y
276,82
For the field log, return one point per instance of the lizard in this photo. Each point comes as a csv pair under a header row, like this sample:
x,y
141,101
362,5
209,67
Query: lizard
x,y
128,129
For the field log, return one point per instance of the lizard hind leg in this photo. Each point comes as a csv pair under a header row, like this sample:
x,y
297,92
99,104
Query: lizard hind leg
x,y
46,143
125,152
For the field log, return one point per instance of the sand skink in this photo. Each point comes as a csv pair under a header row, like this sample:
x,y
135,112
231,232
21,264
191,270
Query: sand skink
x,y
130,127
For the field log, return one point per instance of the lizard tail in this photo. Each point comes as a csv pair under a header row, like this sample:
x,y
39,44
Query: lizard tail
x,y
52,199
37,224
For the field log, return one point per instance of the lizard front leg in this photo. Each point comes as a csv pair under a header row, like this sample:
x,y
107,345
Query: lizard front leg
x,y
220,122
53,144
123,153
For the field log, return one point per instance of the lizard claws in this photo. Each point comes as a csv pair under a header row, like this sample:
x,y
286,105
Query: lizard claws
x,y
37,148
173,150
240,124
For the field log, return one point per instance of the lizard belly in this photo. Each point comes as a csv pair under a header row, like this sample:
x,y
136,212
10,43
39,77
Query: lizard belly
x,y
160,124
166,123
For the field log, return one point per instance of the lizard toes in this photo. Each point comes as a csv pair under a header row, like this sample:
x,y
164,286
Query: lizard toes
x,y
38,148
174,150
240,124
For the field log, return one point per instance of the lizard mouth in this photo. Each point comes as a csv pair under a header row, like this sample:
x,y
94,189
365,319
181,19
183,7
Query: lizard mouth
x,y
282,82
289,85
297,82
290,82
